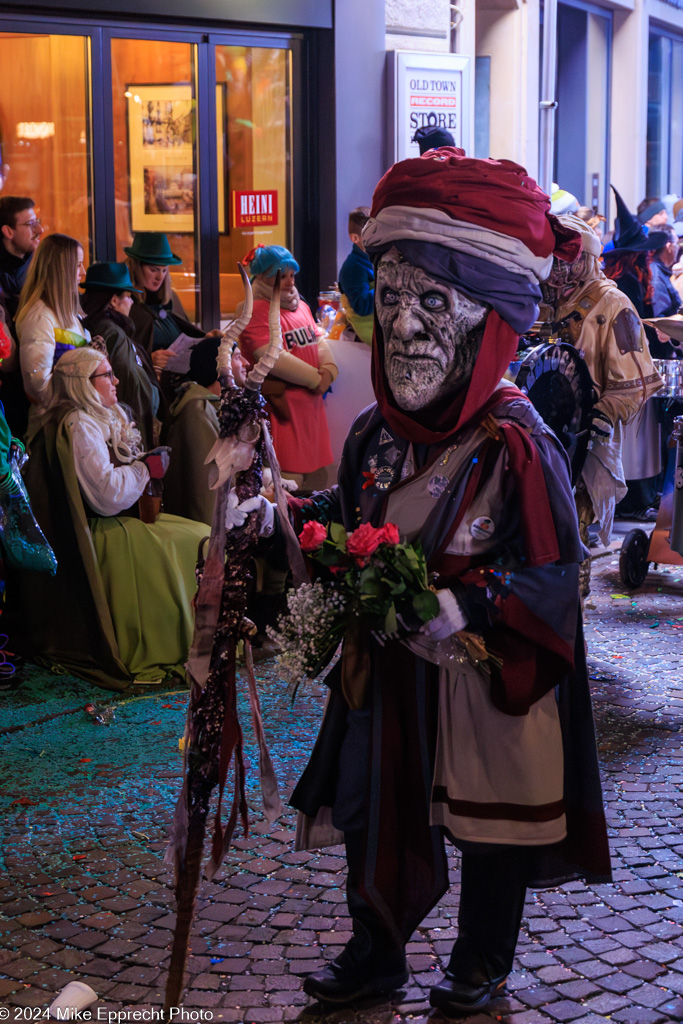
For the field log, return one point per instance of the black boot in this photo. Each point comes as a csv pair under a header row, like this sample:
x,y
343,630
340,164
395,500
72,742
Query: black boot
x,y
371,963
492,895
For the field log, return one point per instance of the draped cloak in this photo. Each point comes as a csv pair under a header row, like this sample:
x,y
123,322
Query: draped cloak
x,y
518,586
455,749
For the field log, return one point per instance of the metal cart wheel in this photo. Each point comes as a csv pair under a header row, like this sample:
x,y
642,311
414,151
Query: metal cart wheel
x,y
633,560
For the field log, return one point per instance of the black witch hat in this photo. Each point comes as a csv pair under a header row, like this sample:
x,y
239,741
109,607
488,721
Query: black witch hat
x,y
629,234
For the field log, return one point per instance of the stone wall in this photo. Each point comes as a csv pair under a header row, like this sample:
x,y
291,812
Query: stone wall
x,y
418,25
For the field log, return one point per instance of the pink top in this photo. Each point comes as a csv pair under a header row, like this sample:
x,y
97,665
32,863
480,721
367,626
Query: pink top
x,y
302,443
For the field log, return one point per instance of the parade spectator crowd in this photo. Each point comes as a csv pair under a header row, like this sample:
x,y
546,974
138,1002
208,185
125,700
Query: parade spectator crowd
x,y
114,393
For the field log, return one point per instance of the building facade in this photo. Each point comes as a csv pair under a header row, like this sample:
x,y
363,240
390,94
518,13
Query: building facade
x,y
619,86
216,122
229,123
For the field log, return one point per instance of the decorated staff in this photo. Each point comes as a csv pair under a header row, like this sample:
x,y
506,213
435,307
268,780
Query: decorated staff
x,y
213,734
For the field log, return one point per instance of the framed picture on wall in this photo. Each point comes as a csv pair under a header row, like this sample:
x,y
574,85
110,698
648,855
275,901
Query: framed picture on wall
x,y
161,154
162,178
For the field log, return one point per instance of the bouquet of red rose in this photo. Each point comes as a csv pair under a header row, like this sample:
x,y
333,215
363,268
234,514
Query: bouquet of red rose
x,y
369,580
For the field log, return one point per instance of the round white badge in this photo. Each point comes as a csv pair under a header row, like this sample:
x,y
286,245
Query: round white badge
x,y
482,528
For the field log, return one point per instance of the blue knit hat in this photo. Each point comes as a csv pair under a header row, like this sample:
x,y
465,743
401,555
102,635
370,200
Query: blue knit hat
x,y
268,259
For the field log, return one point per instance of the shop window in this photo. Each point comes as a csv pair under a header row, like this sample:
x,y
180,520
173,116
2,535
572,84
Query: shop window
x,y
155,158
254,157
45,130
583,87
665,116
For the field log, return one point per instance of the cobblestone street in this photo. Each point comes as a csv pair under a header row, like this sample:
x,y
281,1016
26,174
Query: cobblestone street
x,y
84,894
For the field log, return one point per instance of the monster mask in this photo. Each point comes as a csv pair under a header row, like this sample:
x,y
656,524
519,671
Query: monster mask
x,y
432,333
565,278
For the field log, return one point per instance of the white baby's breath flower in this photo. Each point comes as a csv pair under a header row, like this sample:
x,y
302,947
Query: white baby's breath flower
x,y
306,633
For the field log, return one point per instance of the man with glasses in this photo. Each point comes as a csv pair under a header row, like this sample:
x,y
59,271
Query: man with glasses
x,y
20,233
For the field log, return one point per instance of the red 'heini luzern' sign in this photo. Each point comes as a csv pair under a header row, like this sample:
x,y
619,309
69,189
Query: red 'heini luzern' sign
x,y
253,209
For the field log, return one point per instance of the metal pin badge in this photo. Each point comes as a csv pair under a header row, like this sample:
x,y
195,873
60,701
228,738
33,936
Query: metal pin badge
x,y
482,528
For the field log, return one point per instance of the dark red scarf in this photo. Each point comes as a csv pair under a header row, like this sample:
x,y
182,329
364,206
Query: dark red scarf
x,y
470,405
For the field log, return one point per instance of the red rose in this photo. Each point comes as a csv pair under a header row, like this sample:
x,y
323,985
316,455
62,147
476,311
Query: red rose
x,y
363,541
311,537
390,534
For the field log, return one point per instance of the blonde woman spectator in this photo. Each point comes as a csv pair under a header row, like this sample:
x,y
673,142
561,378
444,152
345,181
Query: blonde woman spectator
x,y
120,607
47,320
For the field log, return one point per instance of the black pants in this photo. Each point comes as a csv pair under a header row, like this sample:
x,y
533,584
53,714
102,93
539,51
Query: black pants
x,y
489,916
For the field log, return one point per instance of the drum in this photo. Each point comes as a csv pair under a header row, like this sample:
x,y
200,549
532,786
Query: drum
x,y
556,380
671,372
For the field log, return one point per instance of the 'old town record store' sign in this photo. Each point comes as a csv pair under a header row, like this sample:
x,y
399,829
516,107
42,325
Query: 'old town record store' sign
x,y
428,90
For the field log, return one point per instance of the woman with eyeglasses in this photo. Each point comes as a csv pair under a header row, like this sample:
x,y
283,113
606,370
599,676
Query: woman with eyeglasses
x,y
107,300
47,320
119,610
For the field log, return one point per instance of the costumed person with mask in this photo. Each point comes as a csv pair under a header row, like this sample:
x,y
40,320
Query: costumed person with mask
x,y
303,373
496,755
628,264
191,429
590,313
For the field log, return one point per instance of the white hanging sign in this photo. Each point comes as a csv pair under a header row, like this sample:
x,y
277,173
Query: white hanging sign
x,y
428,90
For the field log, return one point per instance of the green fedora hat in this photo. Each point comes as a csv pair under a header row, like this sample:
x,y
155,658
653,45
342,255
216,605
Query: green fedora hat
x,y
109,277
152,247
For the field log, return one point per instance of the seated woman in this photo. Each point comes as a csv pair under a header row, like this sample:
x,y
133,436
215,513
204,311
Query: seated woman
x,y
107,302
191,429
47,320
157,313
119,609
303,373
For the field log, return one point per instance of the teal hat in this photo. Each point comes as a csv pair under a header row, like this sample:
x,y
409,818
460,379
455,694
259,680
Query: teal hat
x,y
152,247
109,277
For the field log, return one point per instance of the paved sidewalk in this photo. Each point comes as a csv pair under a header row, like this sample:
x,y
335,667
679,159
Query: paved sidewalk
x,y
84,894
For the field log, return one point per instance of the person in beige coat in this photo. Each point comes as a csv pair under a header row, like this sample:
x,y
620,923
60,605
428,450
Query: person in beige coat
x,y
601,322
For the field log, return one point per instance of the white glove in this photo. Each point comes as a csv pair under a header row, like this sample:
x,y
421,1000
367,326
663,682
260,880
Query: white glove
x,y
237,512
449,620
267,482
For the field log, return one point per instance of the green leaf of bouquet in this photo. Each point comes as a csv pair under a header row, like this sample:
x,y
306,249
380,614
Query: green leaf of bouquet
x,y
390,620
370,574
338,535
426,605
372,589
328,555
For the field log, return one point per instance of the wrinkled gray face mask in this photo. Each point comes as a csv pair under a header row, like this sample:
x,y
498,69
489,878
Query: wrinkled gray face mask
x,y
565,278
431,335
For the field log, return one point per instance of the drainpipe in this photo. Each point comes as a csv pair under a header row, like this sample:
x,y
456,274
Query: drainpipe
x,y
548,103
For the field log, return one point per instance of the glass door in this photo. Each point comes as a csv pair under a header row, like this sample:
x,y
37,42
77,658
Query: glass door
x,y
45,129
254,152
583,91
118,129
155,152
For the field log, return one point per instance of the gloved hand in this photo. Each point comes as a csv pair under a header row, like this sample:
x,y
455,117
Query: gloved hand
x,y
601,426
237,512
449,620
157,461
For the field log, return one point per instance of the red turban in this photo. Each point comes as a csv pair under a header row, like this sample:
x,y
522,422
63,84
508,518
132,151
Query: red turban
x,y
489,209
497,195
